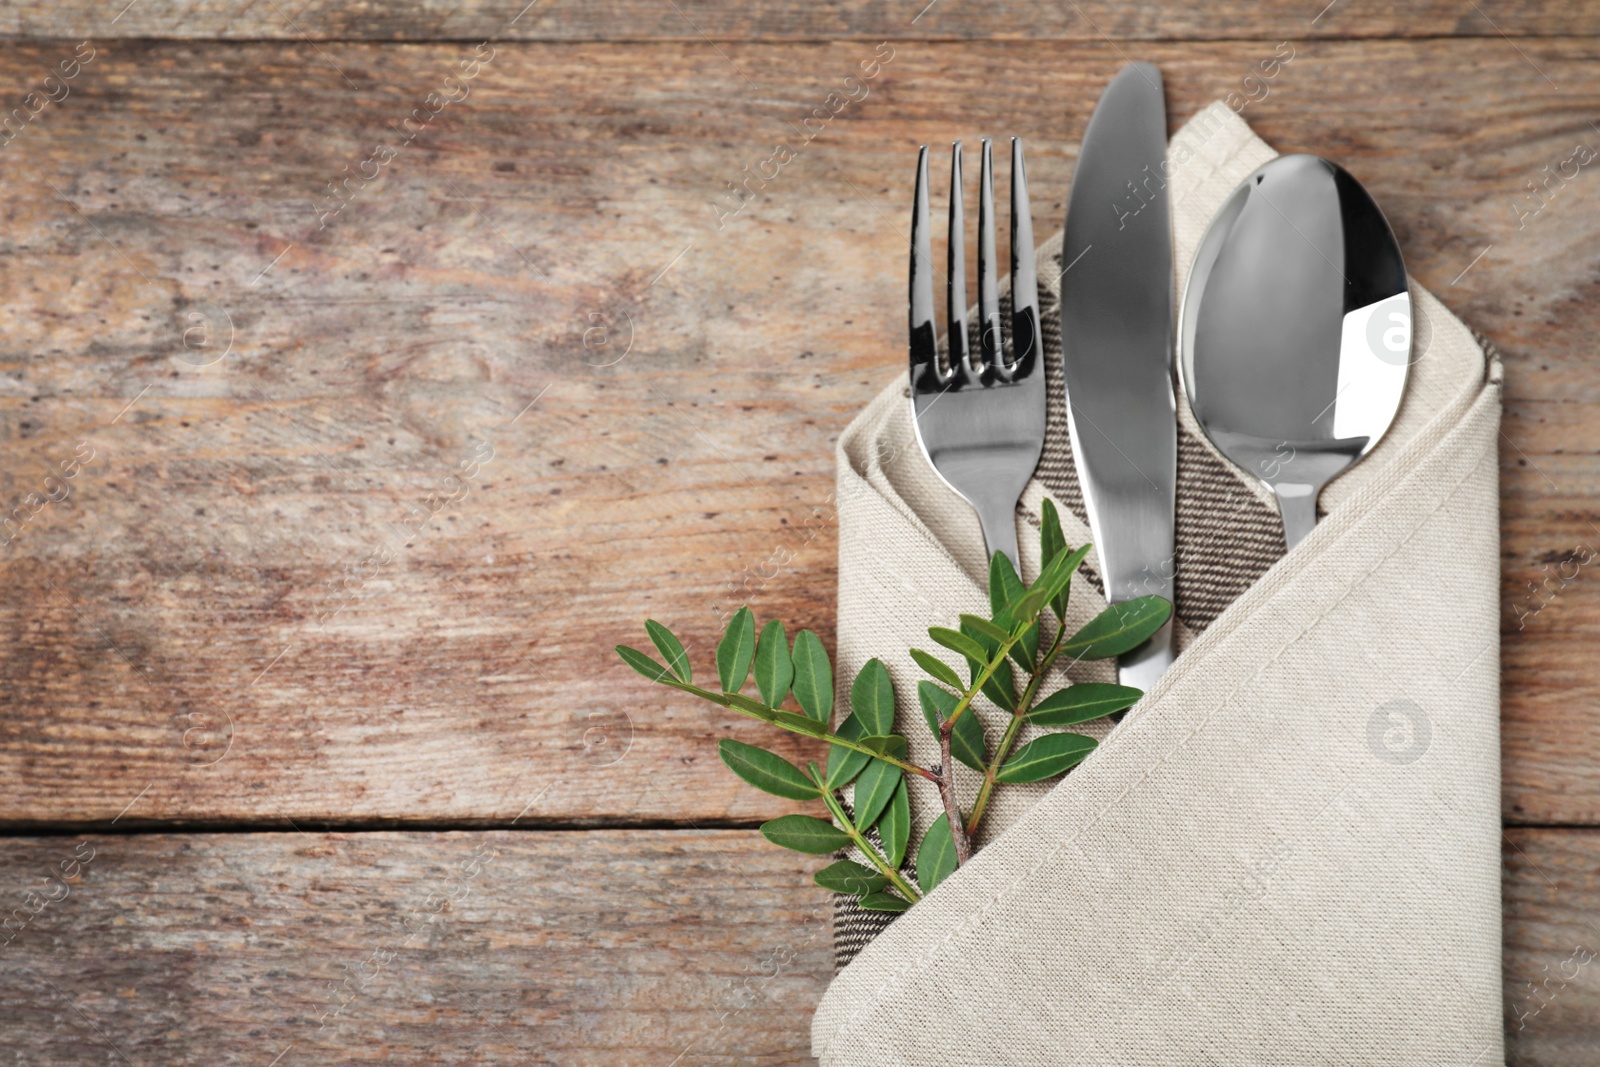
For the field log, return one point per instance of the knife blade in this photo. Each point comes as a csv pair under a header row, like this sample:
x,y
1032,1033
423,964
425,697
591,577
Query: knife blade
x,y
1116,349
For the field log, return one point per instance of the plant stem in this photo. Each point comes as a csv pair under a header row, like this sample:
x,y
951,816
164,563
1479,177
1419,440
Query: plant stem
x,y
859,839
844,742
947,793
981,803
946,778
982,678
722,700
1013,728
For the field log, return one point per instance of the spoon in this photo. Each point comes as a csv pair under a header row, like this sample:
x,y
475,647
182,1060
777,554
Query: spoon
x,y
1295,333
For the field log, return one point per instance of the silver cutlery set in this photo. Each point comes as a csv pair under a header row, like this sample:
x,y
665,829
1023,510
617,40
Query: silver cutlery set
x,y
1293,345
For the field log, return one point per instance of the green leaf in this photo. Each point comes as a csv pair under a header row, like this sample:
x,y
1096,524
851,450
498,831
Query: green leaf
x,y
813,676
1004,587
848,876
803,833
1000,686
982,626
645,665
938,668
937,704
894,828
958,642
800,724
845,763
1019,652
1026,651
872,698
893,744
883,902
1044,757
989,645
966,741
774,671
874,789
1118,629
1028,604
1052,580
767,771
734,651
1052,543
671,649
1083,702
936,856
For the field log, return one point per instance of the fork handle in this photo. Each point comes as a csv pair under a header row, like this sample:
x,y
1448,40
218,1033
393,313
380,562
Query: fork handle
x,y
999,532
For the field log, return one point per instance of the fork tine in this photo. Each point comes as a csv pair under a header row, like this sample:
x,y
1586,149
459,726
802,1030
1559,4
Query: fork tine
x,y
956,280
991,342
925,372
1024,274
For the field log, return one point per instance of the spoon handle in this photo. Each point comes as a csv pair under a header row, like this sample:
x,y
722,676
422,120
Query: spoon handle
x,y
1297,503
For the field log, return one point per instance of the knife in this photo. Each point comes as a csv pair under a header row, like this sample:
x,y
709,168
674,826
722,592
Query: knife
x,y
1116,349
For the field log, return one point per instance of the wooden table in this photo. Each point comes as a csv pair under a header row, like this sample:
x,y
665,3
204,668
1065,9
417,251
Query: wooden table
x,y
383,432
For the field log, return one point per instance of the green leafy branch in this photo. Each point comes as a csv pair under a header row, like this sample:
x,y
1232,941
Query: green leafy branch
x,y
866,751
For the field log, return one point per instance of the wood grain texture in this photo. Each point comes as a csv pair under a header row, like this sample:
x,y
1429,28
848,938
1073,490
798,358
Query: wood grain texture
x,y
225,619
730,20
1552,947
604,948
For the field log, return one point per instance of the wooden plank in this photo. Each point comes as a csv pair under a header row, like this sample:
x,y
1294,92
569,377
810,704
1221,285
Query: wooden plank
x,y
729,20
580,949
1552,947
227,620
503,947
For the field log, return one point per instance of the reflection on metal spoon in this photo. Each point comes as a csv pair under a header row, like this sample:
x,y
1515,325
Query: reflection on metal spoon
x,y
1295,334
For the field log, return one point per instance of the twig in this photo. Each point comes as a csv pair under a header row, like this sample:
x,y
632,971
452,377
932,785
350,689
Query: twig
x,y
947,793
1013,728
946,778
983,678
860,841
725,699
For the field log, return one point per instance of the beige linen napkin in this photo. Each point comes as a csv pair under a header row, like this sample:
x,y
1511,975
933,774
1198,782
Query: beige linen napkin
x,y
1288,851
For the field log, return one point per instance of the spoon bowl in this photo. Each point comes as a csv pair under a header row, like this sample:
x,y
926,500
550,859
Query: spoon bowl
x,y
1295,332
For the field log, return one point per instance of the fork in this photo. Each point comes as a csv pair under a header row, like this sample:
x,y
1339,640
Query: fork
x,y
980,419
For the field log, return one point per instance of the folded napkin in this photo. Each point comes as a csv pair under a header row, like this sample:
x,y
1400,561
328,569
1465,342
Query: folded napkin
x,y
1288,851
